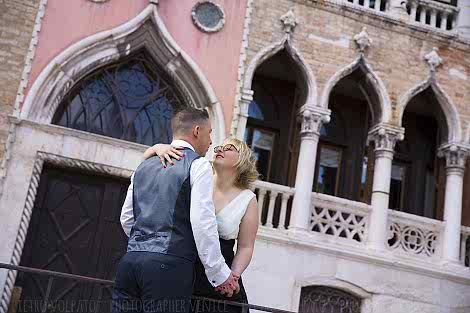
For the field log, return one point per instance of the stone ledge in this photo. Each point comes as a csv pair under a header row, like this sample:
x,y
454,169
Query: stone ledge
x,y
354,252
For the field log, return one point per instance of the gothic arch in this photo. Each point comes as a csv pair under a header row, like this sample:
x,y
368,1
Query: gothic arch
x,y
382,113
310,88
445,103
269,51
145,31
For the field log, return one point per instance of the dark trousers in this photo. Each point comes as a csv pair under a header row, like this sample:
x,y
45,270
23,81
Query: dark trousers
x,y
152,282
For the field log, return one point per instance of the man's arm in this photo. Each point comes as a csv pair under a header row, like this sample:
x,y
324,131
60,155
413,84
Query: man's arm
x,y
127,212
204,224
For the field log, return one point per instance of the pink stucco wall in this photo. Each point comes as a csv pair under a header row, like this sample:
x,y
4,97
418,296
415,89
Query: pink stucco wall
x,y
67,22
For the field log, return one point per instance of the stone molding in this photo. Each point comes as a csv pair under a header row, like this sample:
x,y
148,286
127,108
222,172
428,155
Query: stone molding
x,y
237,110
446,103
374,79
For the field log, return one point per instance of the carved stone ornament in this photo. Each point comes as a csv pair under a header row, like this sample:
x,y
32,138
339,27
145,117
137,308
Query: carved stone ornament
x,y
312,120
455,154
363,40
289,21
386,136
433,59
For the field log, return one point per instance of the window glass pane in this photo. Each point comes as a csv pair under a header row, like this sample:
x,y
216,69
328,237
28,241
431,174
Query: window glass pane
x,y
328,169
132,100
255,111
262,144
396,186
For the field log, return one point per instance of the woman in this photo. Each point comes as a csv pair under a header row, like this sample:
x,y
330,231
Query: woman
x,y
236,211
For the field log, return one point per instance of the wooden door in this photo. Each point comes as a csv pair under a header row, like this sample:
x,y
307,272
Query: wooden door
x,y
75,229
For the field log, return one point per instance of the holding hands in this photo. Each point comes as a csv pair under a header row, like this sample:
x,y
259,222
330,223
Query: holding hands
x,y
230,286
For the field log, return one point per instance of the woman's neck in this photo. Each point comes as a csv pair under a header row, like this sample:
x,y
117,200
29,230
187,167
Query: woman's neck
x,y
224,180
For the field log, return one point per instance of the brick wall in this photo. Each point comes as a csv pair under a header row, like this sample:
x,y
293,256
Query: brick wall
x,y
324,36
16,26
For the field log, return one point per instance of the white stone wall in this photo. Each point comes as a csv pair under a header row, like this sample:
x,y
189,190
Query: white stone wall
x,y
279,270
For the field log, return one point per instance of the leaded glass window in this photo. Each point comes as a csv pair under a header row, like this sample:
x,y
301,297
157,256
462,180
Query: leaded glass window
x,y
321,299
132,100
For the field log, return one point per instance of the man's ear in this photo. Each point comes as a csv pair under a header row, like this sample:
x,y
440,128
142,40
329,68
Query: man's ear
x,y
196,130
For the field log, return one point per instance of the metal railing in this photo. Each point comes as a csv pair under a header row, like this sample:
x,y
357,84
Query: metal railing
x,y
52,275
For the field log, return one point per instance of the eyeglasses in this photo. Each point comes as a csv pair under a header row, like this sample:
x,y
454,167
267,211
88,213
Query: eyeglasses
x,y
227,147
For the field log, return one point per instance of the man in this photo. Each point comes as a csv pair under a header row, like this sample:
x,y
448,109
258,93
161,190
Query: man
x,y
169,215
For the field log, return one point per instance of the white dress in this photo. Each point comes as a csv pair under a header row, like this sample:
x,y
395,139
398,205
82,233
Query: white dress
x,y
230,216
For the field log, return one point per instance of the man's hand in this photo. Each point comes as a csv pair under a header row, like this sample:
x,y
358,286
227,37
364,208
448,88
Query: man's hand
x,y
230,286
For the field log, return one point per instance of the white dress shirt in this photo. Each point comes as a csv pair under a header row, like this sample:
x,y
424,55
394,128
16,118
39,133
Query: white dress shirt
x,y
202,217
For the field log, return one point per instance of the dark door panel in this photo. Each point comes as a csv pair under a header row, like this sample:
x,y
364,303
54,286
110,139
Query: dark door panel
x,y
74,229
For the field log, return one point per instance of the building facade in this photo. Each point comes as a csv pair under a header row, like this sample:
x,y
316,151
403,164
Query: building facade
x,y
358,112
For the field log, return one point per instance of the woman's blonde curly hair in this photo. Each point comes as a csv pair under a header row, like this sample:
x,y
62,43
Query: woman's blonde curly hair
x,y
246,164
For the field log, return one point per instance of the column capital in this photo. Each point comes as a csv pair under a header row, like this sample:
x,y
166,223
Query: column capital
x,y
312,119
456,156
385,137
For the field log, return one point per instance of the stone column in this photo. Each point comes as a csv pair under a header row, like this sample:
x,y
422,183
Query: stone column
x,y
384,136
246,98
312,120
463,19
456,156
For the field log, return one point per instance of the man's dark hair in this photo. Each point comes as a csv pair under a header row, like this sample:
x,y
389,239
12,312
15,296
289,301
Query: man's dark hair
x,y
184,119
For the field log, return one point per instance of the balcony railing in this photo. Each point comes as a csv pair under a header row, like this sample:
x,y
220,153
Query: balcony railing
x,y
414,235
343,219
433,14
344,222
376,5
46,304
428,13
274,204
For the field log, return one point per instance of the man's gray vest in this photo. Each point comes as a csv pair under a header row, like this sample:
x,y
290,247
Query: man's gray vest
x,y
161,199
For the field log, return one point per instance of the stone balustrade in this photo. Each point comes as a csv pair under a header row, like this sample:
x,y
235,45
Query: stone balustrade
x,y
414,235
340,218
274,202
433,14
346,223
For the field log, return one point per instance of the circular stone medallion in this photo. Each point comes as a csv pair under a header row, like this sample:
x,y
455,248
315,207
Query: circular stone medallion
x,y
208,16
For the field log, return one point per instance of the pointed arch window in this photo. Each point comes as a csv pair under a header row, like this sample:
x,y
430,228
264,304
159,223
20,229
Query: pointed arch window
x,y
131,100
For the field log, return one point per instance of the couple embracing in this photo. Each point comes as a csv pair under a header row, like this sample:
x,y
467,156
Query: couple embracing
x,y
183,217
